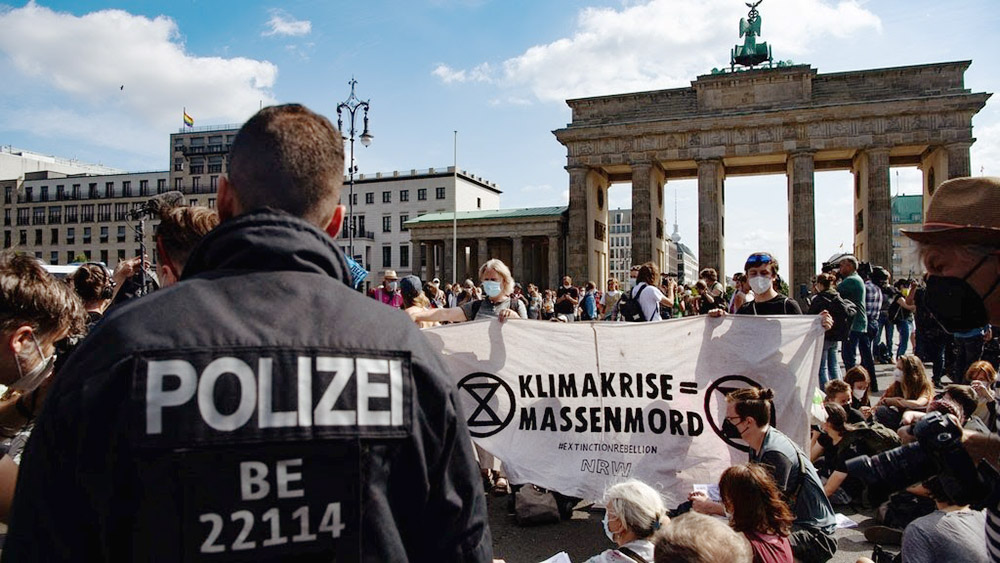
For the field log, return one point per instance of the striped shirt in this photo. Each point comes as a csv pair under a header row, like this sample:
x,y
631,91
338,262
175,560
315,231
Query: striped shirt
x,y
873,302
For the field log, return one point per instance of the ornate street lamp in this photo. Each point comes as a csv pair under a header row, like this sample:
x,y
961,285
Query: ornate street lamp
x,y
352,104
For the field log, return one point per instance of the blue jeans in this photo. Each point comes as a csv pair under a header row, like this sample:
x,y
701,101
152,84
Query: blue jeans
x,y
863,341
903,327
828,369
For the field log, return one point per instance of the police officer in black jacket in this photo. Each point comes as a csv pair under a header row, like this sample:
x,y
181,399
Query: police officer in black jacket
x,y
261,409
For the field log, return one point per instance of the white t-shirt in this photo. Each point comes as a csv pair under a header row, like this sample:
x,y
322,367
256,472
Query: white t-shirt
x,y
642,548
649,300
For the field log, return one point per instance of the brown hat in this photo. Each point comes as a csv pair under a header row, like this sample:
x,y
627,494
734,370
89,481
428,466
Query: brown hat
x,y
962,211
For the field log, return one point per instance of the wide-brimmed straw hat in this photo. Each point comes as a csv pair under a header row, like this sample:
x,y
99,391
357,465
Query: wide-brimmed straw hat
x,y
962,211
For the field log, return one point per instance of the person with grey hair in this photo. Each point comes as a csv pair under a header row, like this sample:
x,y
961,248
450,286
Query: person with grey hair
x,y
634,514
697,538
498,284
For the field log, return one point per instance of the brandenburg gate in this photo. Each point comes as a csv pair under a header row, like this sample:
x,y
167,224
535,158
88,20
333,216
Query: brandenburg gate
x,y
784,120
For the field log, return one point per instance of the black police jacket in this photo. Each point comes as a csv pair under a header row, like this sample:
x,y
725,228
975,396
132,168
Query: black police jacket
x,y
259,410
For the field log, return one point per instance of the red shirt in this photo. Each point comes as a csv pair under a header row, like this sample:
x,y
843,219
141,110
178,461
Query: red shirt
x,y
392,299
768,548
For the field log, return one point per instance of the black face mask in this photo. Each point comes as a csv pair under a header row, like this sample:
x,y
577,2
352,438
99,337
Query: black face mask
x,y
955,304
729,430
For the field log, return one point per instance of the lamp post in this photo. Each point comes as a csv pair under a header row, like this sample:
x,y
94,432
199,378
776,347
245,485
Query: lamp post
x,y
352,104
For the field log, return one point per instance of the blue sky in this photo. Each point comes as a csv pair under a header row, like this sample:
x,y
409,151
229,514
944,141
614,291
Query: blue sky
x,y
497,71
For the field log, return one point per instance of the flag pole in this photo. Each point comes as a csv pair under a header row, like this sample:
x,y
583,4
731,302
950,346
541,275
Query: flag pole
x,y
454,218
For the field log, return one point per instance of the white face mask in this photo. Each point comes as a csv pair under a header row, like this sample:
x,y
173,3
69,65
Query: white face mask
x,y
607,530
760,284
391,286
492,288
898,374
28,382
859,393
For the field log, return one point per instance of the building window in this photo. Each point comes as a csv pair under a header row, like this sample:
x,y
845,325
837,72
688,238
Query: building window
x,y
22,216
354,199
121,254
387,224
439,193
71,235
178,184
87,213
55,236
195,183
6,239
103,212
404,195
370,197
213,183
86,235
404,256
38,216
386,256
121,211
109,189
192,202
121,233
69,257
7,193
215,165
104,256
86,255
38,237
211,203
44,194
127,188
161,185
104,233
28,193
143,187
386,197
178,165
421,194
75,193
361,232
402,222
53,257
23,237
92,190
197,166
479,203
6,217
60,193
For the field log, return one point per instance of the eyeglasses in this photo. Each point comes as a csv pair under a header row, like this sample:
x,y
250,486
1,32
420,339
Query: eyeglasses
x,y
758,259
737,418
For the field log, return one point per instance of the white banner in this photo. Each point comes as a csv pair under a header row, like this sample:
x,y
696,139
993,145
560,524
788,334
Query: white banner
x,y
577,407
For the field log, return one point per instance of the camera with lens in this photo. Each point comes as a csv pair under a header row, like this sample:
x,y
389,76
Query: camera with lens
x,y
937,452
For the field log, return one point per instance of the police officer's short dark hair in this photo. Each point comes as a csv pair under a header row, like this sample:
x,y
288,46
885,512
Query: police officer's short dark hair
x,y
289,158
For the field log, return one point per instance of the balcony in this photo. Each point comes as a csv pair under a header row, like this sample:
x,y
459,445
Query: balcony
x,y
205,150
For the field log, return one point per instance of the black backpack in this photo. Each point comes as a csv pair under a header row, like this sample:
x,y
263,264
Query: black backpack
x,y
629,307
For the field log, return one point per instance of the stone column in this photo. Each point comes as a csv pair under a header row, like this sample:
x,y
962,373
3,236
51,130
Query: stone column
x,y
483,254
711,216
958,160
642,219
517,259
446,258
415,246
801,221
554,270
579,231
430,270
879,216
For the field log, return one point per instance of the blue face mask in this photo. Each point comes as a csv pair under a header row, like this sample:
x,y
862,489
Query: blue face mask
x,y
492,288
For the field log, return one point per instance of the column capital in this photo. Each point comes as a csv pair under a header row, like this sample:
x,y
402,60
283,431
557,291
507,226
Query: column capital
x,y
799,153
709,160
876,149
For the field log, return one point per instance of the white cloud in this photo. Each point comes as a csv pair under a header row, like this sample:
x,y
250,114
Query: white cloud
x,y
986,151
113,78
281,23
659,44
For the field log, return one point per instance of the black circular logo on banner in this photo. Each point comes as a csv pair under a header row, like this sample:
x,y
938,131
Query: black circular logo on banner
x,y
720,388
493,410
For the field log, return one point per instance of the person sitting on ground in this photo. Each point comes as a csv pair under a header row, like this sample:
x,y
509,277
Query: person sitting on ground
x,y
841,441
957,400
911,390
756,509
953,532
634,513
857,378
748,416
414,299
498,284
37,311
696,538
839,392
180,230
982,377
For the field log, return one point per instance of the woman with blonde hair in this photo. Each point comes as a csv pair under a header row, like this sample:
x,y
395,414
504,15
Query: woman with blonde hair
x,y
911,390
757,510
498,284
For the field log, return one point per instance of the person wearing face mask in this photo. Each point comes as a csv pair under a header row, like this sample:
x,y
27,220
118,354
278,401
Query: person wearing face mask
x,y
911,389
37,311
959,244
857,378
498,285
389,292
748,415
827,299
634,513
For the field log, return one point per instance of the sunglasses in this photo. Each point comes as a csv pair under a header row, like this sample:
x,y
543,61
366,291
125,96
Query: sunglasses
x,y
758,259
